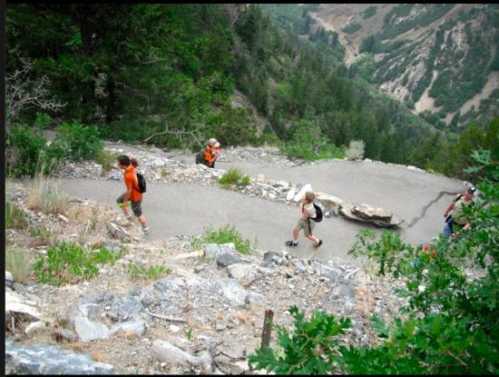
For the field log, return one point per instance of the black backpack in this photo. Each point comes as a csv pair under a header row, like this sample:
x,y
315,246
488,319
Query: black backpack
x,y
318,214
142,183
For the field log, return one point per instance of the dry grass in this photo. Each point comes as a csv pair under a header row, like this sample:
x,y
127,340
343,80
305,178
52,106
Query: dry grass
x,y
19,263
46,196
14,216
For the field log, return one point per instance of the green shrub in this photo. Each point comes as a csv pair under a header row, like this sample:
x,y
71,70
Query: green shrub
x,y
234,177
308,143
14,216
67,262
450,321
369,12
23,148
137,272
309,349
81,142
18,263
225,234
352,28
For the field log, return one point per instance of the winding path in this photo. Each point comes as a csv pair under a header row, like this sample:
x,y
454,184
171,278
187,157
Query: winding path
x,y
174,209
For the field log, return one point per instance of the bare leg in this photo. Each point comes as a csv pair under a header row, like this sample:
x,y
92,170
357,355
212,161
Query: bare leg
x,y
313,238
296,232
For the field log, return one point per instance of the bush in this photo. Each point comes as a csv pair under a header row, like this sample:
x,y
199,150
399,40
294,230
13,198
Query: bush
x,y
234,177
137,272
46,197
67,262
308,349
18,263
14,217
352,28
80,142
23,149
450,322
308,143
355,150
226,234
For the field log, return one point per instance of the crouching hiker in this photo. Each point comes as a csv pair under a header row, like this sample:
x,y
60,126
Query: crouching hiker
x,y
310,213
209,154
134,189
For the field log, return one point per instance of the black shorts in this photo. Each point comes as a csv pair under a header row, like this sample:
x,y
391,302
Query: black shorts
x,y
136,206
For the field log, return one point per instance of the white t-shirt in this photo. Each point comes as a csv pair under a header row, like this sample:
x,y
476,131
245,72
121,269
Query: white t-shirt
x,y
310,209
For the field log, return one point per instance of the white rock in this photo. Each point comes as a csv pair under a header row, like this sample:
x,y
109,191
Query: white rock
x,y
301,193
34,327
90,330
19,305
167,352
244,273
135,327
291,194
260,178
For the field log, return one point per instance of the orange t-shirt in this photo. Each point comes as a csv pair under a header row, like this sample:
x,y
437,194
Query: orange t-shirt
x,y
209,155
132,183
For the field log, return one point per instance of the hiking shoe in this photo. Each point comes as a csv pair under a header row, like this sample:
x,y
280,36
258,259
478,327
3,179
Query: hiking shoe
x,y
291,243
146,230
319,244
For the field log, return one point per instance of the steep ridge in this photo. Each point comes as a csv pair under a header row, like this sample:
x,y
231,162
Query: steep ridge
x,y
409,50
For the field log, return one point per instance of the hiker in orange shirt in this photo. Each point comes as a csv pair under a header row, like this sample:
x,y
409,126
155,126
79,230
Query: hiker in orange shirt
x,y
209,154
132,193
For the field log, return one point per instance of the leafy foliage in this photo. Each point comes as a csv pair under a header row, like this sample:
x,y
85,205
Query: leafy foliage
x,y
225,234
450,322
310,348
68,262
234,177
136,271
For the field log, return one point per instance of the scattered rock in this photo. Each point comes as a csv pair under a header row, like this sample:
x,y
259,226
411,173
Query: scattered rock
x,y
118,232
244,273
130,327
34,327
169,353
88,330
45,359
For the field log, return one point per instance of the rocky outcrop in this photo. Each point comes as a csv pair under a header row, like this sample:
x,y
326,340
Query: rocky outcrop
x,y
51,360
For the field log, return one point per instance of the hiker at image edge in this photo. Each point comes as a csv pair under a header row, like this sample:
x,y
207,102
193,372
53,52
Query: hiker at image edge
x,y
134,190
209,154
310,213
455,220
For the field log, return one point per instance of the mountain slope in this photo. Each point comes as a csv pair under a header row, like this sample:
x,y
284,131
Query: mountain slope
x,y
441,59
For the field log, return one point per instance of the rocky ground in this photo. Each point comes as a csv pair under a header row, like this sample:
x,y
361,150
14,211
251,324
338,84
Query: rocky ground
x,y
204,316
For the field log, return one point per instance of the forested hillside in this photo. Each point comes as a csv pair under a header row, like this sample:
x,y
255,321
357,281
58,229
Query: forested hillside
x,y
441,60
165,74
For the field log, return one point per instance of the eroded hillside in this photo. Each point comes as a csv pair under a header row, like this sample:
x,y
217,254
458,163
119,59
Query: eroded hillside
x,y
440,59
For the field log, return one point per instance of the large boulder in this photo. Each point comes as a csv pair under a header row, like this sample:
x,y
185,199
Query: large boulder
x,y
224,254
346,210
329,202
45,359
365,211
